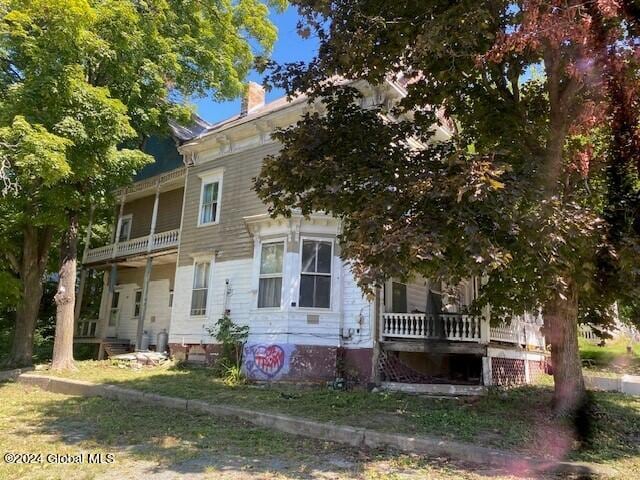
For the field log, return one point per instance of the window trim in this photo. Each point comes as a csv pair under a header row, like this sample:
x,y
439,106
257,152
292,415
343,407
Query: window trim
x,y
135,292
282,240
330,275
117,309
205,180
206,305
128,216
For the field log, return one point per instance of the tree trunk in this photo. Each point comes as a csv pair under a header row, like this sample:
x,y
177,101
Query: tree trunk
x,y
561,325
30,268
65,298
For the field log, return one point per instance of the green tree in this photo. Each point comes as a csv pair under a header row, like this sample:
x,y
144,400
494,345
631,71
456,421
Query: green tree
x,y
537,189
83,83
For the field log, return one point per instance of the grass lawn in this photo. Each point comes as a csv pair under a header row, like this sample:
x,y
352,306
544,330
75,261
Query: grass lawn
x,y
612,359
156,443
519,419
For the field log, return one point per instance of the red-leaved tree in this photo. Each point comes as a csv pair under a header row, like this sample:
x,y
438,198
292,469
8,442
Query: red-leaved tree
x,y
538,188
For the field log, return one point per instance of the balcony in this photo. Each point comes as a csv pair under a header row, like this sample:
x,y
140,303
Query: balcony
x,y
136,246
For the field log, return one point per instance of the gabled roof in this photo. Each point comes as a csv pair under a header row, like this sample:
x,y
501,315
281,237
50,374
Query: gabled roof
x,y
183,133
238,119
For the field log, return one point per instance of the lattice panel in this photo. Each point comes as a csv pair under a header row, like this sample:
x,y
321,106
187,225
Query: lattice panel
x,y
536,368
507,372
392,369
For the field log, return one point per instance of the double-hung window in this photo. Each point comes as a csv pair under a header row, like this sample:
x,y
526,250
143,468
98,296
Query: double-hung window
x,y
315,276
200,288
136,303
114,311
210,198
270,286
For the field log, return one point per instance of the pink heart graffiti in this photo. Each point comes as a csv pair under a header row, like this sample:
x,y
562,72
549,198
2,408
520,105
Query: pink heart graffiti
x,y
269,359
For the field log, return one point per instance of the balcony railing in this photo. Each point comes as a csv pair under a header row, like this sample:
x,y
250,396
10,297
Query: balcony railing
x,y
135,246
445,326
519,333
460,328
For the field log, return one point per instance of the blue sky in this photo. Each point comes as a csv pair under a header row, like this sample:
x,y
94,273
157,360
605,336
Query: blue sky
x,y
289,47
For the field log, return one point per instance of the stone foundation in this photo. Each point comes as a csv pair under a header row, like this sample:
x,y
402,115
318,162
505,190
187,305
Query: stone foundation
x,y
205,354
287,362
355,364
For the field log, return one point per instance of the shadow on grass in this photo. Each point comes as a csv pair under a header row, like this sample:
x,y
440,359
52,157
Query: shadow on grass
x,y
519,419
182,443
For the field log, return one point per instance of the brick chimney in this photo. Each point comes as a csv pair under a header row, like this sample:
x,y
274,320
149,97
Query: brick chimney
x,y
253,98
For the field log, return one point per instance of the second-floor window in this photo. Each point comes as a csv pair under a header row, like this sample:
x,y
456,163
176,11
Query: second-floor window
x,y
315,276
210,197
200,288
270,286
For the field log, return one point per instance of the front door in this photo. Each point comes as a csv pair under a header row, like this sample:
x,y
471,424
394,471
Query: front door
x,y
114,315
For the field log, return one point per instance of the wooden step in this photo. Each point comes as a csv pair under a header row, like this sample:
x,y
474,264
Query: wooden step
x,y
116,348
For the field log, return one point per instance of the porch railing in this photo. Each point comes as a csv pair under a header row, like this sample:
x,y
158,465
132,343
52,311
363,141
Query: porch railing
x,y
159,241
519,333
86,328
447,326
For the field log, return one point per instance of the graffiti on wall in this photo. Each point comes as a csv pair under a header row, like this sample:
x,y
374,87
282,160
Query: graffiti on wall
x,y
267,362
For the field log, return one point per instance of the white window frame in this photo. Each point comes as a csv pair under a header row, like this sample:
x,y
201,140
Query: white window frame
x,y
206,305
129,217
115,309
330,275
135,292
207,179
282,240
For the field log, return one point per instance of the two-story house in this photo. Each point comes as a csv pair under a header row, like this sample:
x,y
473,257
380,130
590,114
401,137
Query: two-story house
x,y
192,240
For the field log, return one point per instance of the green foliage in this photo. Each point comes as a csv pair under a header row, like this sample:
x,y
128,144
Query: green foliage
x,y
83,83
233,376
45,325
232,338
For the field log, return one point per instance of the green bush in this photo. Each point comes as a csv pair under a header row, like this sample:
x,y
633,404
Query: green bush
x,y
232,338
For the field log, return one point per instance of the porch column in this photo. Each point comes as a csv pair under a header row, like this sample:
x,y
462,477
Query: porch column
x,y
83,270
487,374
118,226
154,217
377,332
143,302
485,325
147,269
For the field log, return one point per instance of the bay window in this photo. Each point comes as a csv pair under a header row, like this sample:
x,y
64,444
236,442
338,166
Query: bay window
x,y
315,275
270,283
